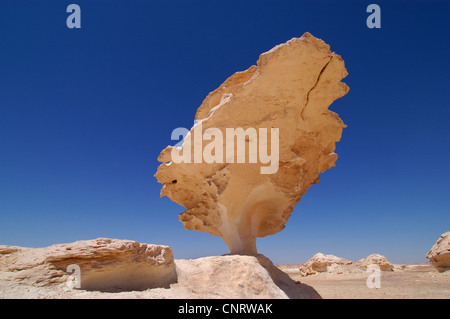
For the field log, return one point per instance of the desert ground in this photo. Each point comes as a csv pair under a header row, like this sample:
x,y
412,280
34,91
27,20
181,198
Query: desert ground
x,y
105,268
415,281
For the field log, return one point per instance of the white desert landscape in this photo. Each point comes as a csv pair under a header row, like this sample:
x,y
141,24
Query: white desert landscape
x,y
124,269
289,90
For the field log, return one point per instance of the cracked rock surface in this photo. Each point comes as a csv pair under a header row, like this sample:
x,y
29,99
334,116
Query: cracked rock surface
x,y
290,88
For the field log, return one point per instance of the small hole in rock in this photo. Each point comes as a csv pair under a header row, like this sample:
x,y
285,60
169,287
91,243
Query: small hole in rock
x,y
174,181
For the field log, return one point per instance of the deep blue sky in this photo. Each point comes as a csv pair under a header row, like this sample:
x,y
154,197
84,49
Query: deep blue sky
x,y
84,114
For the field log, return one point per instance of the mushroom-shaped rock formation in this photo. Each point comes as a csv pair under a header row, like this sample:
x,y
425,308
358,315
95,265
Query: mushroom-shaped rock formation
x,y
277,112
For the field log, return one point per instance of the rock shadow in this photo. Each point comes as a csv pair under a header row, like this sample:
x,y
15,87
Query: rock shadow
x,y
293,289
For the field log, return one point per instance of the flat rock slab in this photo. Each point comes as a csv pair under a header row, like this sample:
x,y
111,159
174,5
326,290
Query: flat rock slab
x,y
123,269
101,264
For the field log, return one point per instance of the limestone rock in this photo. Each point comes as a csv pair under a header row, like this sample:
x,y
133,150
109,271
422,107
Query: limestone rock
x,y
5,249
331,264
398,267
290,89
238,276
377,259
324,263
104,264
439,254
31,273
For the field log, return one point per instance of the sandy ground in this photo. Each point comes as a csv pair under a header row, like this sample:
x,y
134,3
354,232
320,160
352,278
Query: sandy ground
x,y
416,281
419,281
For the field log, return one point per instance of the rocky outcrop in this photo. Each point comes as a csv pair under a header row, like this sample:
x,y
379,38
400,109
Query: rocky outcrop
x,y
113,268
439,254
5,249
99,264
331,264
276,115
238,276
375,259
323,263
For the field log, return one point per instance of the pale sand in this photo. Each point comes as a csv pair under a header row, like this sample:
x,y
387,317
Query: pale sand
x,y
418,281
